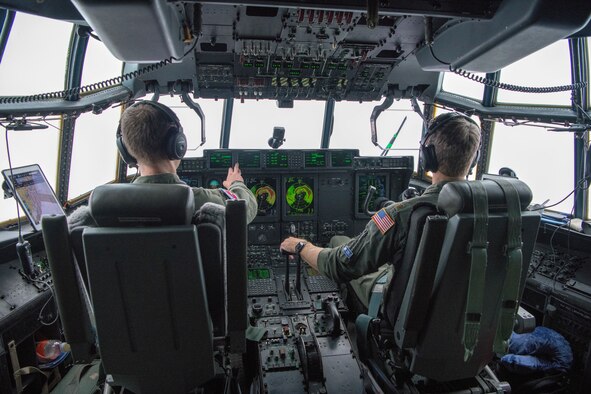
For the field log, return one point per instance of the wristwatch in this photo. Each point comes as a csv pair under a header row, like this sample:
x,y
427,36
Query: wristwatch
x,y
299,246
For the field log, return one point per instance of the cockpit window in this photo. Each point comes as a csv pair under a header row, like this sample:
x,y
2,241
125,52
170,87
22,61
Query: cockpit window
x,y
542,159
352,128
454,83
99,63
35,57
253,122
29,147
94,152
549,66
192,124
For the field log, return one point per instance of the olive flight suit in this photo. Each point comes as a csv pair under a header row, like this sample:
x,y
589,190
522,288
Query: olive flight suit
x,y
219,196
361,260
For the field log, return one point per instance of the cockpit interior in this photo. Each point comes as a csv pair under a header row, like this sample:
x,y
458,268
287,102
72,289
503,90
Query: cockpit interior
x,y
324,105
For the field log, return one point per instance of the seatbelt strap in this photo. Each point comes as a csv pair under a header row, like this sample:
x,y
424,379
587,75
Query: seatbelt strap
x,y
362,324
377,294
513,251
478,250
363,321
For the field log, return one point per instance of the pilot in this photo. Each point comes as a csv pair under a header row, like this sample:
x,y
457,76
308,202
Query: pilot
x,y
150,137
452,142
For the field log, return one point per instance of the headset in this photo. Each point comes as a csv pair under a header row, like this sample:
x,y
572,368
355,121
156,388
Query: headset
x,y
428,151
176,141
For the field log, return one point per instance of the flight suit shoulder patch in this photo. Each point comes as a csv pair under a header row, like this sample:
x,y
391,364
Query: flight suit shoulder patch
x,y
383,221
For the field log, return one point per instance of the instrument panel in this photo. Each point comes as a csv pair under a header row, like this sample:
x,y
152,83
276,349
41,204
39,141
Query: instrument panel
x,y
313,194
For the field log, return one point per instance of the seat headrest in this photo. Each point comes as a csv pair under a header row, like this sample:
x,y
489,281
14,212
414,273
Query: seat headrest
x,y
143,204
456,197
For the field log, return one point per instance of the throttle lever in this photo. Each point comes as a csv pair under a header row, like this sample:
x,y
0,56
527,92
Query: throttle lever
x,y
330,307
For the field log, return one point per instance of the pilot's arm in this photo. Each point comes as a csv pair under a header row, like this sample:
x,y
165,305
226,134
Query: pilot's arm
x,y
234,189
361,255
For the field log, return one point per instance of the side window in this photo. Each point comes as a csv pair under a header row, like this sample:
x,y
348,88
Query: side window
x,y
99,63
454,83
35,57
542,159
549,66
29,147
94,152
33,62
352,129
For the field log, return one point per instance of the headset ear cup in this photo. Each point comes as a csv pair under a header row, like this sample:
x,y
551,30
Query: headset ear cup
x,y
176,144
430,158
475,161
123,152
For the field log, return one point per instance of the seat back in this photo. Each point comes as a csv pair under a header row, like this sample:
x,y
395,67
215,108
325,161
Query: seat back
x,y
222,238
148,289
430,323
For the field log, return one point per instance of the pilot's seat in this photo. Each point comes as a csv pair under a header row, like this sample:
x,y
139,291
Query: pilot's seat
x,y
451,304
148,286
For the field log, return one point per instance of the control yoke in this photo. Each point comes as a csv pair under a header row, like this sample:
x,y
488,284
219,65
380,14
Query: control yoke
x,y
370,193
197,108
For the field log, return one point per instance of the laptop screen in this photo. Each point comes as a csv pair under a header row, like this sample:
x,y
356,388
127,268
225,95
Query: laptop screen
x,y
33,192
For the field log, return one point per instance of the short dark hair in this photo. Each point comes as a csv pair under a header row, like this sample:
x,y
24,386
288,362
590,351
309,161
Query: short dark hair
x,y
144,129
456,145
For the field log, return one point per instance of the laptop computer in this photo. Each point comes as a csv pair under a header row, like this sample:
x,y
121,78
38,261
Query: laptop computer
x,y
32,191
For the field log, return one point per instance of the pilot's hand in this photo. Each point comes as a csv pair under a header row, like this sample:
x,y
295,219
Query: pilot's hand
x,y
289,244
234,175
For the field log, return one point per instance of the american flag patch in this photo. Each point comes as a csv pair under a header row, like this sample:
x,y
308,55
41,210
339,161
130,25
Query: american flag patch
x,y
228,194
383,221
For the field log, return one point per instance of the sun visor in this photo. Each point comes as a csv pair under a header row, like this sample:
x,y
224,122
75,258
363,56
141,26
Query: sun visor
x,y
144,31
519,28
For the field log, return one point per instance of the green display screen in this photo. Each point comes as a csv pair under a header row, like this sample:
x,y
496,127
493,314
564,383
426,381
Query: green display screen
x,y
259,273
276,160
220,160
341,159
365,181
249,159
265,192
315,159
299,196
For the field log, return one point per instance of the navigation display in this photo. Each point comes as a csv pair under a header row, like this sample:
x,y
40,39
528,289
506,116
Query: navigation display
x,y
249,159
315,159
33,193
364,181
276,159
265,192
220,160
299,196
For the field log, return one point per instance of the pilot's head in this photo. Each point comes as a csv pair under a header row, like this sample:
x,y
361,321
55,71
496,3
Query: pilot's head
x,y
151,132
451,144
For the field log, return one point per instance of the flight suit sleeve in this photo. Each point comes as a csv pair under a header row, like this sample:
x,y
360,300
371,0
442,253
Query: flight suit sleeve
x,y
218,196
361,255
244,193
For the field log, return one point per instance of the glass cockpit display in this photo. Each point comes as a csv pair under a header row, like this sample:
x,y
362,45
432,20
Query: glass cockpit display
x,y
380,182
265,192
299,196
